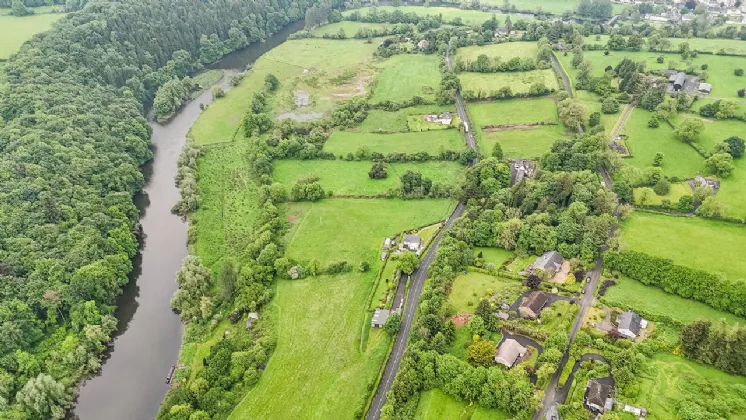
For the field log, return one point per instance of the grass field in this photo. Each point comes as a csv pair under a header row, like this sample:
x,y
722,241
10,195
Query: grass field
x,y
353,229
344,142
318,370
505,51
495,256
732,188
631,294
14,31
519,82
385,121
679,159
528,143
349,27
448,13
668,379
406,75
731,46
695,242
437,405
469,289
348,178
287,61
516,111
592,104
678,190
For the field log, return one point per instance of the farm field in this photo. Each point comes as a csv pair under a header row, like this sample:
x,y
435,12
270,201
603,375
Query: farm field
x,y
679,159
469,289
437,405
556,7
312,314
677,191
391,121
495,256
350,28
219,122
519,82
351,178
708,245
592,104
731,46
14,31
344,142
655,303
514,111
732,188
519,143
353,229
448,13
406,75
505,50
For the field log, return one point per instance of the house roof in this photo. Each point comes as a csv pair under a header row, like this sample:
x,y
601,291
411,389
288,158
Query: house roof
x,y
535,301
412,239
705,87
380,316
680,79
509,351
550,259
629,321
597,393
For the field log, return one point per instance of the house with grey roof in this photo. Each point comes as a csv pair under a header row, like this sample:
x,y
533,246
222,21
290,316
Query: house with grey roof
x,y
629,324
379,318
550,262
509,352
596,395
520,169
412,243
533,304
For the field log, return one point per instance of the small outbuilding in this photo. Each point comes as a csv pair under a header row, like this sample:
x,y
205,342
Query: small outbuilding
x,y
509,352
253,316
423,44
705,88
379,318
533,304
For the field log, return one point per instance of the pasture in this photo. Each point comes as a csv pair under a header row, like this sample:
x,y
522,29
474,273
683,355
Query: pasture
x,y
344,142
14,31
469,289
708,245
518,143
505,51
519,82
437,405
353,229
406,75
732,190
514,111
391,121
350,28
677,191
351,178
556,7
319,364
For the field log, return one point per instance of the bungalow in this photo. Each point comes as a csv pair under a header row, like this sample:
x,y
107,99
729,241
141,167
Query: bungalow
x,y
533,304
630,324
379,318
549,262
509,352
412,243
596,395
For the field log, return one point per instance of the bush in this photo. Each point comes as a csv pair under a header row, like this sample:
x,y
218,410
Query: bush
x,y
741,93
594,119
704,66
653,123
378,171
736,146
217,92
660,59
610,106
662,187
738,72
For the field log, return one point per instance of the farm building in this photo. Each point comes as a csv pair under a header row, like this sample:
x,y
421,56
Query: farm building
x,y
630,324
445,118
705,88
379,318
597,396
533,304
509,352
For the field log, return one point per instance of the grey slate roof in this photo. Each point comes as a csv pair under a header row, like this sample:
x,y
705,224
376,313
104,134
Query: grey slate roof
x,y
597,393
380,316
412,239
509,351
629,321
680,79
550,259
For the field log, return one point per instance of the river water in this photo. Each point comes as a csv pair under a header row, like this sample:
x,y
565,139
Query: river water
x,y
131,384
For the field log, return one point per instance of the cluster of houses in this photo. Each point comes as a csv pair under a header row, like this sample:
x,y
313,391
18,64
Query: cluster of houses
x,y
445,118
733,11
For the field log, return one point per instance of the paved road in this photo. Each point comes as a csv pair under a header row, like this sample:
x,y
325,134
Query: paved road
x,y
460,106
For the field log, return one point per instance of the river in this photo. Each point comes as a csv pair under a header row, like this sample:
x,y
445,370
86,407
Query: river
x,y
131,384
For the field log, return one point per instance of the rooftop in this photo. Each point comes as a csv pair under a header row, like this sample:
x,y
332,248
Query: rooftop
x,y
509,351
535,301
629,321
550,259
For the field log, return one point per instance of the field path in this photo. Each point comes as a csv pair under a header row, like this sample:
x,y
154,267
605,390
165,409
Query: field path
x,y
621,121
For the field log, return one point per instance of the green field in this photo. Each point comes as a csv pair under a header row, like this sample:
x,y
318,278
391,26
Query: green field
x,y
437,405
731,46
678,190
353,229
351,178
732,189
708,245
349,27
406,75
318,370
519,82
679,159
592,104
495,256
448,13
515,111
469,289
287,62
344,142
529,143
505,51
556,7
391,121
655,303
14,31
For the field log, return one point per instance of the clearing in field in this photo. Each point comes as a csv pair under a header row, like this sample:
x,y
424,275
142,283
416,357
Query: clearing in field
x,y
437,405
523,143
657,304
519,82
406,75
505,51
679,160
344,142
405,119
708,245
353,229
351,178
319,370
514,111
469,289
14,31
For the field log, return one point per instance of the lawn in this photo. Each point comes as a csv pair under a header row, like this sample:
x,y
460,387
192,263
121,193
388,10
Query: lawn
x,y
287,62
437,405
14,31
495,256
350,28
519,143
505,51
344,142
406,75
353,229
732,190
708,245
679,159
558,317
592,102
678,190
318,370
392,121
448,13
731,46
669,379
469,289
351,178
516,111
651,301
519,82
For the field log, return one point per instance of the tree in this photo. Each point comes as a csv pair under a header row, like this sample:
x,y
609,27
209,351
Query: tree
x,y
594,119
720,164
689,130
572,113
194,283
741,93
218,92
653,122
378,170
19,9
497,151
533,281
577,57
658,159
44,397
481,353
477,327
610,106
271,82
662,187
738,72
393,324
408,262
736,146
711,208
704,66
660,59
227,280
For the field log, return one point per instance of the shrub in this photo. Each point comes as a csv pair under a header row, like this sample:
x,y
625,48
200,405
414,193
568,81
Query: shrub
x,y
594,119
658,159
378,171
704,66
741,93
610,106
736,146
662,187
738,72
653,123
660,59
217,92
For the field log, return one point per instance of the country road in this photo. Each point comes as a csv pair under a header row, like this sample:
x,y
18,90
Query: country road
x,y
416,281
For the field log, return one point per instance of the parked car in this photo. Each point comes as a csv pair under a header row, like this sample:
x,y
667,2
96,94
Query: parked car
x,y
588,279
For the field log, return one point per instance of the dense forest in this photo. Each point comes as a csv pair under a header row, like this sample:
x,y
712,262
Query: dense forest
x,y
72,140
